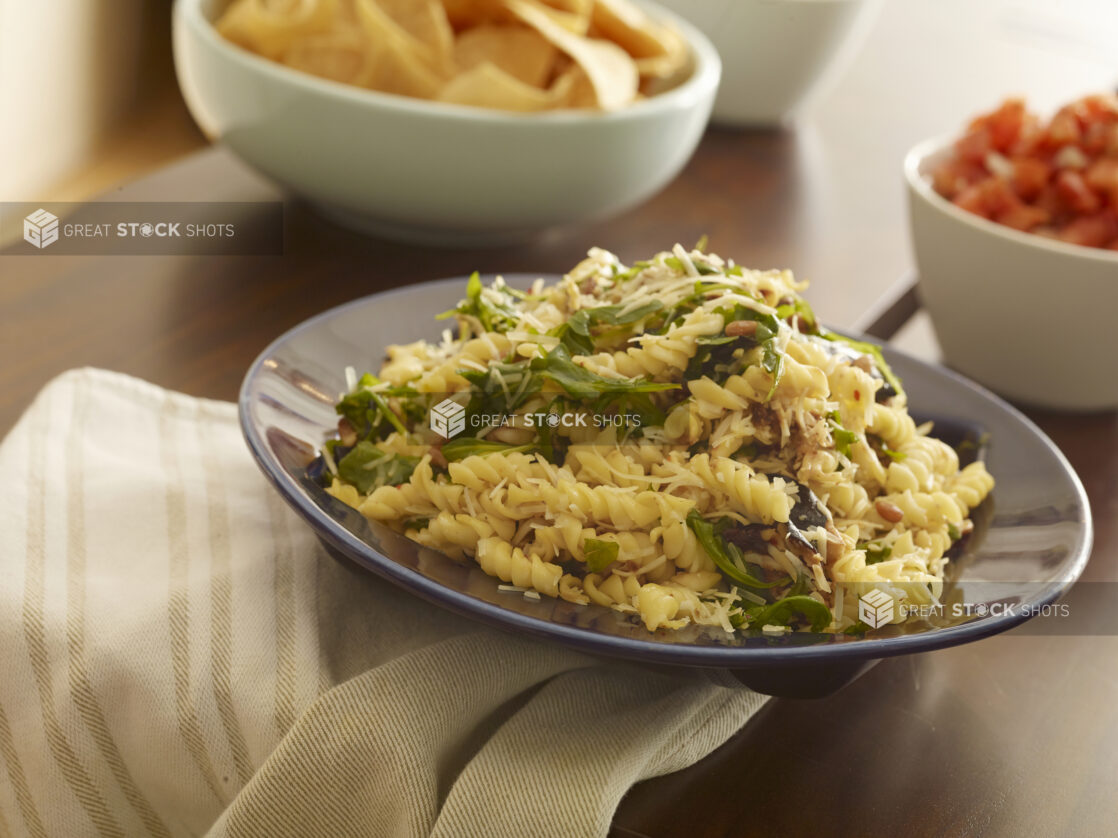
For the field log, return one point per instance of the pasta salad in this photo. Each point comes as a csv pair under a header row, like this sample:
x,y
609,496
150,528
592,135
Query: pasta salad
x,y
679,439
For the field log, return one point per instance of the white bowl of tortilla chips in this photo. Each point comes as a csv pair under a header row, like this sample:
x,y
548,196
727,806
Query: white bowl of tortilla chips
x,y
451,121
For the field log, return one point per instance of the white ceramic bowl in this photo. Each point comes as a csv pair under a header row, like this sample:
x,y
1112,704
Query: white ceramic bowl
x,y
434,172
776,53
1029,317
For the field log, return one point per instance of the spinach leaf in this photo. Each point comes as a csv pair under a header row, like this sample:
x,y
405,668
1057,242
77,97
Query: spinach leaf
x,y
772,359
368,412
575,334
725,555
621,276
842,437
784,611
875,553
580,383
600,554
368,467
496,311
874,351
802,309
702,267
466,446
879,446
500,388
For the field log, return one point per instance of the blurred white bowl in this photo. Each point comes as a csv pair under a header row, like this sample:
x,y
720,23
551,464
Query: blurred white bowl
x,y
423,171
1029,317
775,53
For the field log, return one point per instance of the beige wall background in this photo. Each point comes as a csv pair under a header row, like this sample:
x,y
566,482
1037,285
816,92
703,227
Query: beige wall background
x,y
87,96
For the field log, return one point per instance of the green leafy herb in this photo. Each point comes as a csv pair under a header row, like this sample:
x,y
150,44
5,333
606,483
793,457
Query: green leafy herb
x,y
466,446
749,451
803,310
368,412
879,446
873,351
640,404
801,586
621,276
719,356
702,267
785,611
581,383
496,311
772,359
416,524
875,553
727,556
842,437
500,388
953,531
575,334
368,467
600,554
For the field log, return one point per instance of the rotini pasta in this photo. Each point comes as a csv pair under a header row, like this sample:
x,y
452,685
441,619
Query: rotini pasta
x,y
679,441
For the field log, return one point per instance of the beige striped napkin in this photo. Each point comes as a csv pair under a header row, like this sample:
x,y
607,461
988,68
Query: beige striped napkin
x,y
178,656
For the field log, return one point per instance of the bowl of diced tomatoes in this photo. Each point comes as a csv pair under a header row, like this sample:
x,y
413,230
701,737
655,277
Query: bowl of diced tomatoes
x,y
1015,232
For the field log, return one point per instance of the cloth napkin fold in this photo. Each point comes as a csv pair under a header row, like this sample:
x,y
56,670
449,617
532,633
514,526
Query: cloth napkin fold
x,y
179,656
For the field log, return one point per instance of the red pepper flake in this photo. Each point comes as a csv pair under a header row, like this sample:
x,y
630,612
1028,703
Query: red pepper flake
x,y
857,395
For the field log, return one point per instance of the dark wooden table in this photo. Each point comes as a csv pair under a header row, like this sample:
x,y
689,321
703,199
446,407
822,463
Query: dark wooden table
x,y
1013,736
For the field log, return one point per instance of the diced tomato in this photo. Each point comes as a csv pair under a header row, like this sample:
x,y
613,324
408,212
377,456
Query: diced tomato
x,y
1023,217
1091,230
956,175
1057,179
1063,129
1029,138
1052,202
1076,193
1102,176
1005,123
1029,176
1095,137
1102,107
987,198
973,146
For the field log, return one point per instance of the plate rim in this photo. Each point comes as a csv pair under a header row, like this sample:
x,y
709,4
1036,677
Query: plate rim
x,y
637,649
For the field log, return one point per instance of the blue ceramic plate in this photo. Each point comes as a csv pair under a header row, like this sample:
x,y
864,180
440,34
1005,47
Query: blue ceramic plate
x,y
1031,540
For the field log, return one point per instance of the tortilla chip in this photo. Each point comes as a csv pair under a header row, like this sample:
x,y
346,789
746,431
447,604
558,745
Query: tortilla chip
x,y
576,7
270,29
488,86
572,89
630,28
342,54
426,21
522,55
521,52
399,63
611,71
463,14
